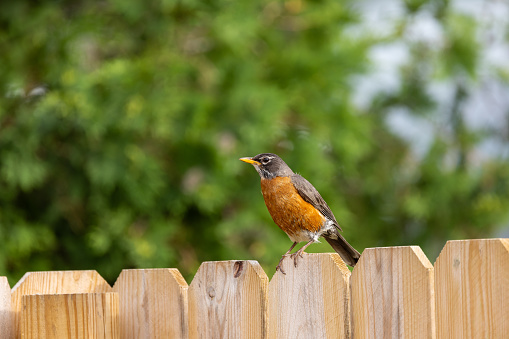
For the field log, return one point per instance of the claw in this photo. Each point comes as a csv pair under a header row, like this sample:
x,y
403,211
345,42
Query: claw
x,y
279,266
295,256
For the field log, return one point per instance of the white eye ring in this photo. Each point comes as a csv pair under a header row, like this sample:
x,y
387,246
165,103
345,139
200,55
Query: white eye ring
x,y
265,160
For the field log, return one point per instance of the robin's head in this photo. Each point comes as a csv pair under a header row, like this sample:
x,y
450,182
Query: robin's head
x,y
269,165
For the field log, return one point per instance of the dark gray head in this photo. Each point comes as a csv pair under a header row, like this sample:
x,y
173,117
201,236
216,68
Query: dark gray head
x,y
269,165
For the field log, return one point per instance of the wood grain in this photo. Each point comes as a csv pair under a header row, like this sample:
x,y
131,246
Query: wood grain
x,y
472,289
6,320
312,300
228,299
66,316
153,303
393,294
55,282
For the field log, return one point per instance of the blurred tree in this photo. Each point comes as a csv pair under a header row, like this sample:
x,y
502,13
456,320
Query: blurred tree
x,y
121,125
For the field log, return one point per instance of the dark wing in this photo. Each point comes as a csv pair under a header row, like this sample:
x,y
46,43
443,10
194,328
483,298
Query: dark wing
x,y
311,195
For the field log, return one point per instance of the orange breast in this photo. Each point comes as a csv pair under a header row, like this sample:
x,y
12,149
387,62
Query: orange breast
x,y
288,210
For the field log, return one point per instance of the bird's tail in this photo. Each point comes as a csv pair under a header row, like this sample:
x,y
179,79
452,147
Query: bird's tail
x,y
349,254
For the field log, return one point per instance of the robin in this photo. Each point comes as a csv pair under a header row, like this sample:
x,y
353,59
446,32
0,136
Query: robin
x,y
298,209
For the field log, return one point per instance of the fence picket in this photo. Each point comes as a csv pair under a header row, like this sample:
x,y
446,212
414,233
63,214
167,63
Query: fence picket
x,y
392,294
6,320
472,289
310,300
228,299
55,282
153,303
70,316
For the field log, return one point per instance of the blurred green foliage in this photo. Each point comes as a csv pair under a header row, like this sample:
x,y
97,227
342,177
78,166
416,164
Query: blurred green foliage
x,y
121,125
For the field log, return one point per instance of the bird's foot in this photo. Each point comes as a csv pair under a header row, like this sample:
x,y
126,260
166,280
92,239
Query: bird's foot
x,y
295,256
279,266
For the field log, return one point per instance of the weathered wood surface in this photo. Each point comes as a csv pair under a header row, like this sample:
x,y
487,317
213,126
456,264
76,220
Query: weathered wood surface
x,y
472,289
153,303
228,299
393,294
6,316
70,316
55,282
311,300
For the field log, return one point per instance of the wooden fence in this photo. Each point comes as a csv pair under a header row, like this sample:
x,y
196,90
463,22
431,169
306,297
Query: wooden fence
x,y
394,292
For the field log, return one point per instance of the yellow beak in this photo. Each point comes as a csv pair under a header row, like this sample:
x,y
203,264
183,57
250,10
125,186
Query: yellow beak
x,y
250,161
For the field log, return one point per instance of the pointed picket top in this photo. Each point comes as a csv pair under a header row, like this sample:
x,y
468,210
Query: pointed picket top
x,y
153,303
70,316
55,282
310,300
228,299
472,289
392,294
6,320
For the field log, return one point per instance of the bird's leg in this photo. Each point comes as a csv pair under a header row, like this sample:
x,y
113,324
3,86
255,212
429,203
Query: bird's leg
x,y
298,254
278,267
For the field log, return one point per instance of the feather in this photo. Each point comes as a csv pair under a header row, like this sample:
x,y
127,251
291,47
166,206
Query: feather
x,y
311,195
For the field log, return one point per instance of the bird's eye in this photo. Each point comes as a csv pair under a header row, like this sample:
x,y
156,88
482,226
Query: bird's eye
x,y
265,160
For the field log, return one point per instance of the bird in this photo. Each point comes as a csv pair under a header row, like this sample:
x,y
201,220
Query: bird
x,y
298,209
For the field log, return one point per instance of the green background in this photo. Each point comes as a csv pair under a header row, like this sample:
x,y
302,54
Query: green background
x,y
121,125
